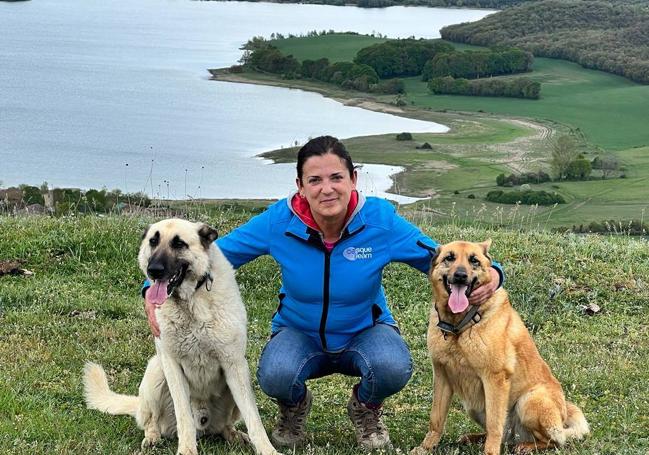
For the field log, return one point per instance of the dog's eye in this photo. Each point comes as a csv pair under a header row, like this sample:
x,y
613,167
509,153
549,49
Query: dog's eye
x,y
155,240
449,257
178,244
474,260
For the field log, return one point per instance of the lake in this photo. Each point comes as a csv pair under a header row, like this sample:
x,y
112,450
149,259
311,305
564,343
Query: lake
x,y
116,94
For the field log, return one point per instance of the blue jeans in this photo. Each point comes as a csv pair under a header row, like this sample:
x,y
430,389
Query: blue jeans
x,y
378,355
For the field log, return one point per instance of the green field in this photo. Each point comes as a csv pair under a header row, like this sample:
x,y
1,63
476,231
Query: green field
x,y
608,113
337,47
611,111
83,304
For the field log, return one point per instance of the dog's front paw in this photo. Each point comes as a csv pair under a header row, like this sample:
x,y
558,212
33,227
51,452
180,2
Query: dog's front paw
x,y
523,449
428,444
270,451
187,450
231,435
472,438
150,441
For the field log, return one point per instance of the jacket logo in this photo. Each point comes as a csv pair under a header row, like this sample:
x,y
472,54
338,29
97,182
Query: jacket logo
x,y
353,253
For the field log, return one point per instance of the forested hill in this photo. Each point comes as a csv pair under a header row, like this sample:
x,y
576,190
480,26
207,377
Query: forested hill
x,y
489,4
607,36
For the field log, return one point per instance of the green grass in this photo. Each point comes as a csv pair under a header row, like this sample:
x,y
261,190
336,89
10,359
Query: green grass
x,y
463,162
83,304
610,111
337,47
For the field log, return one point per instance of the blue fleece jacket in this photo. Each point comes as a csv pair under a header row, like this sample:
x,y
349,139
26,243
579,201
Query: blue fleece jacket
x,y
331,295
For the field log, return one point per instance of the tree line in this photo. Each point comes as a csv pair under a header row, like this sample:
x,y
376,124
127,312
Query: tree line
x,y
497,4
402,57
477,64
569,29
519,87
377,68
490,4
260,55
61,201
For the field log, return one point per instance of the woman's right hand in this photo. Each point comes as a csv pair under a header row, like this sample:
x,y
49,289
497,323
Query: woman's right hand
x,y
149,309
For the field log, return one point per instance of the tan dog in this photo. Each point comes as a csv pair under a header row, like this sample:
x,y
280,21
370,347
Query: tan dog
x,y
198,381
486,355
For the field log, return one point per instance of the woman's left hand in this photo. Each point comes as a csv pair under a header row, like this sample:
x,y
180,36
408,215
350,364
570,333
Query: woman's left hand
x,y
484,292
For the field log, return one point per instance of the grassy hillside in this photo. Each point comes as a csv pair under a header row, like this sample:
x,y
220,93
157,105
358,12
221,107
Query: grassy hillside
x,y
462,168
609,110
83,304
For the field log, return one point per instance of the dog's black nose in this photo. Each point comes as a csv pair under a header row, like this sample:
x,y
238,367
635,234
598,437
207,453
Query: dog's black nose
x,y
460,275
155,270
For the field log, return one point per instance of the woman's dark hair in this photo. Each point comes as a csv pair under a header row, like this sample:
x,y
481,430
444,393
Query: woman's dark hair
x,y
321,146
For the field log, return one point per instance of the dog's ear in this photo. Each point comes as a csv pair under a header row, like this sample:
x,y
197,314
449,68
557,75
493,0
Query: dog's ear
x,y
434,254
485,247
146,231
207,234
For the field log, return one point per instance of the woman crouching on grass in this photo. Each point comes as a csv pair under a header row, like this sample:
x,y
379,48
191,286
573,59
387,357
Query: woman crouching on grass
x,y
332,245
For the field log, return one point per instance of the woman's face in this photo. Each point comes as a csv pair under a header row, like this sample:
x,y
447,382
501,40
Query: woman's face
x,y
327,185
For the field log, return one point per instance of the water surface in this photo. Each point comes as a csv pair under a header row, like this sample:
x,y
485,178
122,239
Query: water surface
x,y
116,94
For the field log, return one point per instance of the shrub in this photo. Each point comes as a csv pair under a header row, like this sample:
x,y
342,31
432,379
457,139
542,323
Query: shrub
x,y
315,69
269,58
631,227
404,137
477,64
521,179
578,169
32,195
389,87
525,197
521,87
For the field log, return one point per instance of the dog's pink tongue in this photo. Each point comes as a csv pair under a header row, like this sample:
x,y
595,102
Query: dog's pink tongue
x,y
157,292
457,301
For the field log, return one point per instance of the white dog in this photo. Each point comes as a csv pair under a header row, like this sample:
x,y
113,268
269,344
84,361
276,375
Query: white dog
x,y
198,382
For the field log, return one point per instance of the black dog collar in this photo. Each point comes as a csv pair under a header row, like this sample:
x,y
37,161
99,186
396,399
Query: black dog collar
x,y
472,316
205,280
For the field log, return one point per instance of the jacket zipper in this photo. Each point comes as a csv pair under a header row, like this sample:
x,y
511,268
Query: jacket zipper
x,y
327,279
325,298
316,240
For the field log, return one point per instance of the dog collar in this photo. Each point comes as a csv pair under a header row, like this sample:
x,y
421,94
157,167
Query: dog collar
x,y
205,280
471,316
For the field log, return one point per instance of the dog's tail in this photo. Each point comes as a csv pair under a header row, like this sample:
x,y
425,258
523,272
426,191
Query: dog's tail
x,y
575,425
99,396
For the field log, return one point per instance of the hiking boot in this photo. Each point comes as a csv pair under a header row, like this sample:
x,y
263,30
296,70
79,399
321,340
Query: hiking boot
x,y
371,433
290,429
